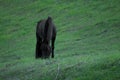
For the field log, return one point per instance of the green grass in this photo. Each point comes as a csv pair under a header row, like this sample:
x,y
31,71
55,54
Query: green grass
x,y
87,45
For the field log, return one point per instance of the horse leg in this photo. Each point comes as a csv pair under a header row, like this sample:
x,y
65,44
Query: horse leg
x,y
53,41
38,44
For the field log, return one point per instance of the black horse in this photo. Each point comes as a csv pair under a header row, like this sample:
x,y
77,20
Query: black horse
x,y
45,32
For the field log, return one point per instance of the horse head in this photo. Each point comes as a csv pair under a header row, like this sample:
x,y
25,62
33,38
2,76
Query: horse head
x,y
45,50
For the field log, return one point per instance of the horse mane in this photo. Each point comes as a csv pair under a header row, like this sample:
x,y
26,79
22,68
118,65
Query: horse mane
x,y
46,29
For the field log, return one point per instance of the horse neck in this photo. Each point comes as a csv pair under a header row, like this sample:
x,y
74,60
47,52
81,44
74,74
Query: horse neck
x,y
48,30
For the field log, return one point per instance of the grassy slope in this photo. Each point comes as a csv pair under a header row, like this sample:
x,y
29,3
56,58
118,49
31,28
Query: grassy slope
x,y
87,45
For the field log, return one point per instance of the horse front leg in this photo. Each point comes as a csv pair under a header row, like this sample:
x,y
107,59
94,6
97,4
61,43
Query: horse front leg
x,y
37,50
38,44
53,41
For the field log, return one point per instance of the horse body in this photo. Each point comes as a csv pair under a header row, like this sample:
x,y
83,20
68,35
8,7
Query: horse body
x,y
45,32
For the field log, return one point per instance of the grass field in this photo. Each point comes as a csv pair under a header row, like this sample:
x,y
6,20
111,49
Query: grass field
x,y
87,45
